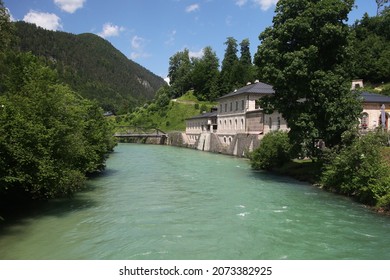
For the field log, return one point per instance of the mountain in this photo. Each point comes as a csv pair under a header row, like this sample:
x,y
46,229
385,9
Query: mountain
x,y
91,66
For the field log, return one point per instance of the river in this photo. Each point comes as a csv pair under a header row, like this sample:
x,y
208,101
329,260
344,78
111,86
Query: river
x,y
161,202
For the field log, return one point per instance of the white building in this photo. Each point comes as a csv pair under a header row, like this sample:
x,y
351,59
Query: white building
x,y
239,112
240,122
375,107
237,125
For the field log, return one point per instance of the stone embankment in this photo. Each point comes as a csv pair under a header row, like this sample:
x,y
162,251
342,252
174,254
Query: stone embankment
x,y
239,146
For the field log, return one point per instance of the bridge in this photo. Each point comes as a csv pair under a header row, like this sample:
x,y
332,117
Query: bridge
x,y
140,133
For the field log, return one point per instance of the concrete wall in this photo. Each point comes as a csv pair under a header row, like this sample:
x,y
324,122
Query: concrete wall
x,y
240,144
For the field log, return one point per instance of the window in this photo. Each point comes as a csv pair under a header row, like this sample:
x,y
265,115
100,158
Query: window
x,y
231,106
220,108
235,124
278,123
270,122
236,105
242,104
225,107
242,124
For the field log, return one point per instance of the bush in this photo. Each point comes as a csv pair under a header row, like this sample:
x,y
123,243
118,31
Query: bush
x,y
274,151
359,170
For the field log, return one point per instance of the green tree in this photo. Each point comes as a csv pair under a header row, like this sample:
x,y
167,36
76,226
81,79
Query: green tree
x,y
6,29
205,75
274,151
228,79
49,137
380,4
305,55
244,69
372,48
179,73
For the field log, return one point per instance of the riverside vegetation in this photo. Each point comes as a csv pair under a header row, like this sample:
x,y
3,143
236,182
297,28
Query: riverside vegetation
x,y
50,137
310,56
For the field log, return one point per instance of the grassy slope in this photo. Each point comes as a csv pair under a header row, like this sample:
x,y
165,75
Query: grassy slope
x,y
172,118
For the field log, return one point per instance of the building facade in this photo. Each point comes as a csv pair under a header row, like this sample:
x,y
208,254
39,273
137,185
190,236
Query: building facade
x,y
239,112
239,122
238,116
376,109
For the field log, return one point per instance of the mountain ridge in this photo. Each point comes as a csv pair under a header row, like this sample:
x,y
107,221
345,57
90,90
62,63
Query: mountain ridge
x,y
92,66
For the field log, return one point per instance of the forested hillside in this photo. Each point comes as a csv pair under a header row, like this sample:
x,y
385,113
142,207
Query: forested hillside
x,y
91,66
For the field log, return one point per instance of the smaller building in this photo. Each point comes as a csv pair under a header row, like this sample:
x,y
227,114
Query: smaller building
x,y
376,109
203,123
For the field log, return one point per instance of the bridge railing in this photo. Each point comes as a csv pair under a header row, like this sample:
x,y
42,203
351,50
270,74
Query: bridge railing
x,y
138,131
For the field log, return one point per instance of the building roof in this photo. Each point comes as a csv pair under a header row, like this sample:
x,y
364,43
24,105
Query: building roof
x,y
204,116
375,98
259,87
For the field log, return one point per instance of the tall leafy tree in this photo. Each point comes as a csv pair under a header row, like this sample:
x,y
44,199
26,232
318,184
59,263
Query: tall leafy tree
x,y
205,75
6,38
49,137
305,55
6,29
372,48
179,73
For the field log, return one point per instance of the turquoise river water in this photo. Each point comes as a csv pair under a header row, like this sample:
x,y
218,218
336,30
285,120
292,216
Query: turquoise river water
x,y
160,202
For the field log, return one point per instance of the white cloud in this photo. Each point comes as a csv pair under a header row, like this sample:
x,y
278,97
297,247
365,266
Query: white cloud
x,y
192,8
265,4
198,54
241,3
138,44
171,38
45,20
11,18
110,30
69,6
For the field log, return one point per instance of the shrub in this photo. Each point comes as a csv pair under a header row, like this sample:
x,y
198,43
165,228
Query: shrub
x,y
274,151
359,170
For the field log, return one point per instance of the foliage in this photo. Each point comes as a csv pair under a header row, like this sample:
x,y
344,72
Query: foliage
x,y
49,137
205,74
273,151
179,73
91,66
227,76
372,48
305,56
380,4
359,170
168,118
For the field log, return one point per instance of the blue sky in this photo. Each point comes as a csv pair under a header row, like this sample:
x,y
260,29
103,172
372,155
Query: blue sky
x,y
151,31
